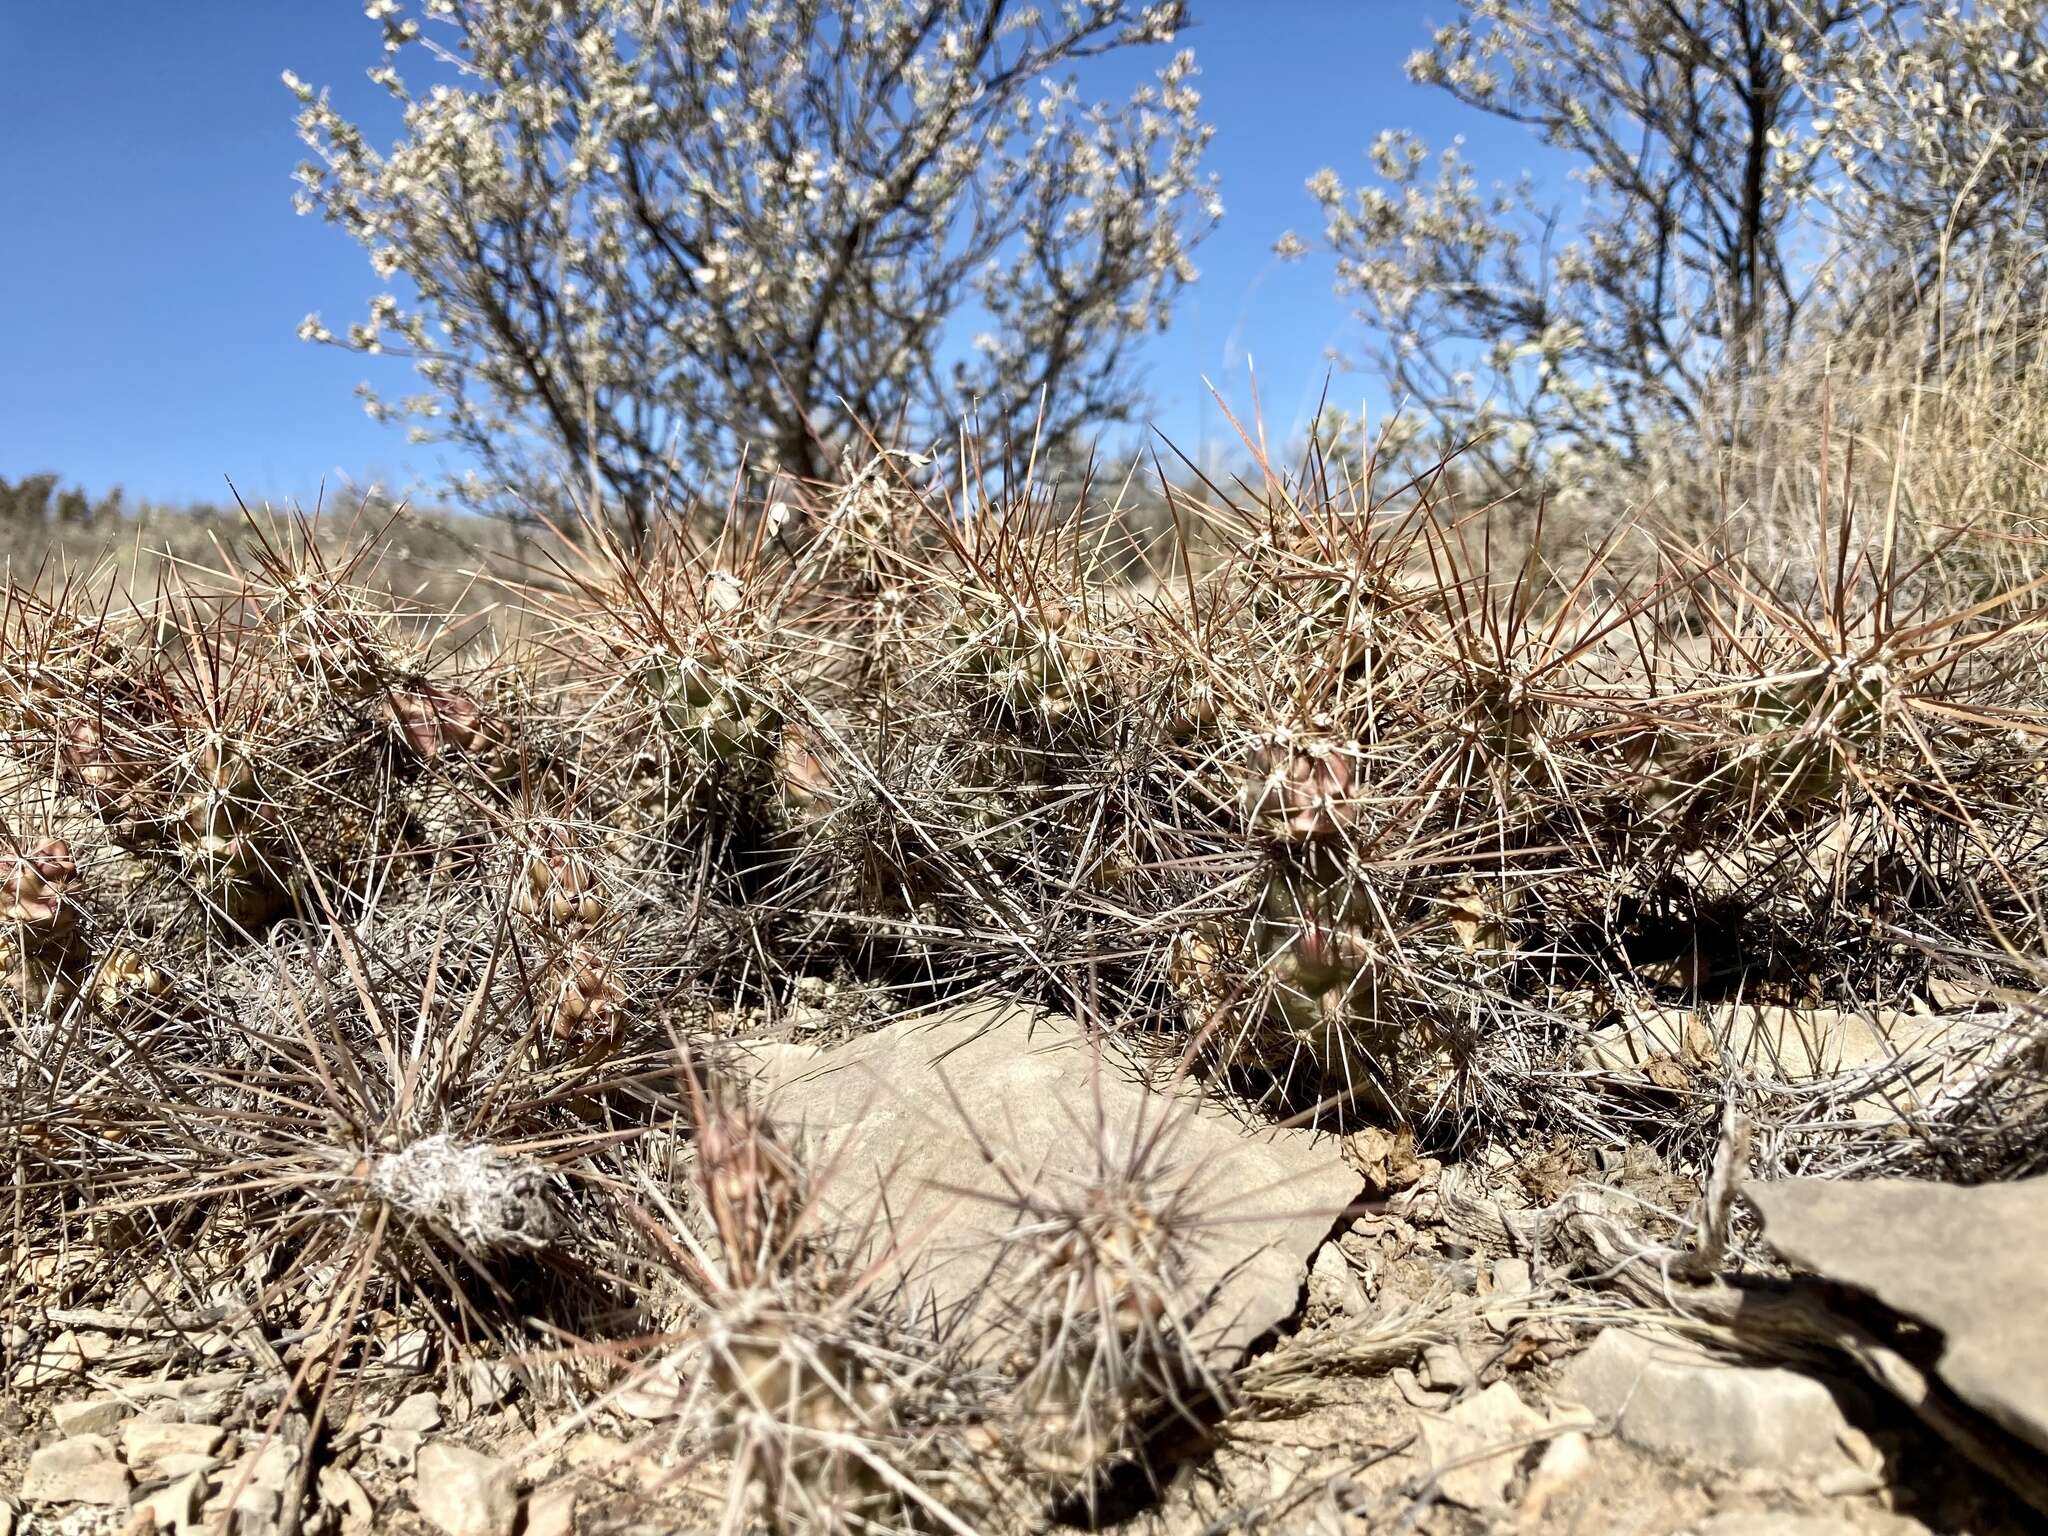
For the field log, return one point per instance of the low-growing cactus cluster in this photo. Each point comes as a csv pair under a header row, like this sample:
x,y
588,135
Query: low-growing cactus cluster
x,y
326,919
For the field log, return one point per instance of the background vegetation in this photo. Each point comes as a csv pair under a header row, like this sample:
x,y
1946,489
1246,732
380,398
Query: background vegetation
x,y
378,951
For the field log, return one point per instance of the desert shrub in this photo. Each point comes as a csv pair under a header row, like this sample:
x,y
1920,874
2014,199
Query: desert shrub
x,y
35,500
893,169
1799,221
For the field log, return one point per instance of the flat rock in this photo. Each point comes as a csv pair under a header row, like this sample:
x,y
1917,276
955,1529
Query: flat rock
x,y
176,1505
590,1451
878,1113
1513,1277
464,1492
1665,1396
399,1448
407,1351
654,1392
1333,1289
151,1444
275,1463
1897,1060
1787,1044
485,1384
256,1511
340,1490
418,1413
91,1416
551,1511
178,1463
1971,1262
1773,1522
80,1470
268,1467
1477,1447
194,1400
67,1355
1566,1461
1445,1368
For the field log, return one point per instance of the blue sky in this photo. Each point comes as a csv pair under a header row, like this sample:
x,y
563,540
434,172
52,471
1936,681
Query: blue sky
x,y
152,272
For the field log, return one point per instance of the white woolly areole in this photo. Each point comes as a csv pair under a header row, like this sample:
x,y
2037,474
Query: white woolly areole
x,y
489,1201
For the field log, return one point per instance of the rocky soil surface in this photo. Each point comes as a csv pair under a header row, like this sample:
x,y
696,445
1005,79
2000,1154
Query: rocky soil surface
x,y
1400,1352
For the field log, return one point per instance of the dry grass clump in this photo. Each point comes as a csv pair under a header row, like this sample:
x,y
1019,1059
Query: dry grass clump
x,y
349,952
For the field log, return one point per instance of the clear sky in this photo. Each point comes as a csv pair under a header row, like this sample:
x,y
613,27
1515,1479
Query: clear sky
x,y
152,272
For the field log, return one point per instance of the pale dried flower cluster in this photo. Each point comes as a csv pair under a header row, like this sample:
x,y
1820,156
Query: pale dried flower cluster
x,y
1936,133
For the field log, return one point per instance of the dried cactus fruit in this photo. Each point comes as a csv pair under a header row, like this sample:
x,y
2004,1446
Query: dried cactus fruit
x,y
1498,715
1657,763
1318,953
803,773
430,719
584,999
41,979
752,1188
1187,702
1323,997
124,976
106,774
1478,915
808,1409
329,636
1198,972
556,885
809,1390
51,659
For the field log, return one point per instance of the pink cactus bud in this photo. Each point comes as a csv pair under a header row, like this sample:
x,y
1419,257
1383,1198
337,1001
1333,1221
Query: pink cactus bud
x,y
430,719
1298,788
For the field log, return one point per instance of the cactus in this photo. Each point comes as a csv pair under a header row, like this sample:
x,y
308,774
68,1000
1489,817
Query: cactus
x,y
1352,824
227,837
1099,1322
108,773
1039,668
557,886
810,1389
1301,786
717,716
1800,732
584,999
